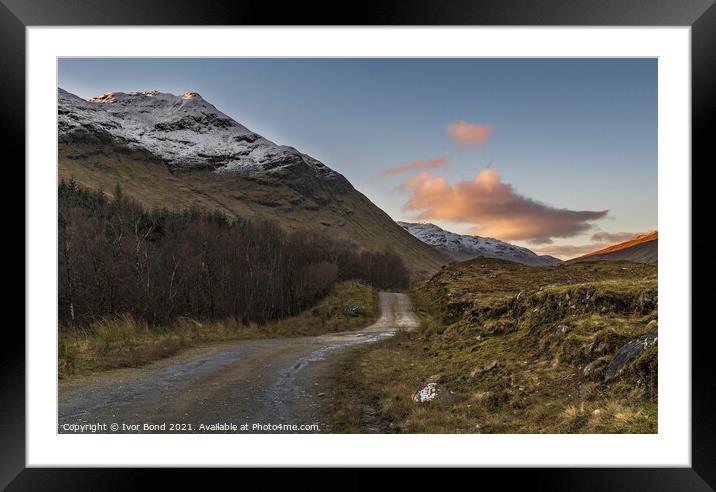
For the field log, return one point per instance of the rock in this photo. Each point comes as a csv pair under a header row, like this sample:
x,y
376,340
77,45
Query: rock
x,y
561,330
627,352
428,393
435,378
481,370
434,391
519,296
321,394
596,368
652,325
352,310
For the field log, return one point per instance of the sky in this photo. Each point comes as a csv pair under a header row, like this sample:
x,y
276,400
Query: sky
x,y
558,155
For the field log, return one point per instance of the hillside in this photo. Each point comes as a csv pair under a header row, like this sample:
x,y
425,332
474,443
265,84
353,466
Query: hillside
x,y
466,247
643,248
179,152
509,349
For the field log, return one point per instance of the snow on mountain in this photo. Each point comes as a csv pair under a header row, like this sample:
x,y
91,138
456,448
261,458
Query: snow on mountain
x,y
464,247
185,131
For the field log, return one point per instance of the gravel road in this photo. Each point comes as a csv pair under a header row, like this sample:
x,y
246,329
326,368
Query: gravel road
x,y
244,386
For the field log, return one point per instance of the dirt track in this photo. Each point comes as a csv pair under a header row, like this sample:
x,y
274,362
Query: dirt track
x,y
258,382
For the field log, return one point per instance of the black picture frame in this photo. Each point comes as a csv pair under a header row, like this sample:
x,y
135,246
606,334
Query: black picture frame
x,y
700,15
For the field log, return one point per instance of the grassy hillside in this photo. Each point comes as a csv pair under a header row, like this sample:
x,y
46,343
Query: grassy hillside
x,y
642,252
515,349
123,341
345,215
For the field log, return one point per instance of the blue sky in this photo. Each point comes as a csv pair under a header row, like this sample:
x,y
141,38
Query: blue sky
x,y
576,134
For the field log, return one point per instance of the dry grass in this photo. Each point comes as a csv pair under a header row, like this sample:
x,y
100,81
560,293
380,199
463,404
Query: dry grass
x,y
123,341
473,314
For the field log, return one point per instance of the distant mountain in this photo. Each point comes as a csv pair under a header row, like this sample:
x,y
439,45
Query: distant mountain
x,y
179,152
643,248
465,247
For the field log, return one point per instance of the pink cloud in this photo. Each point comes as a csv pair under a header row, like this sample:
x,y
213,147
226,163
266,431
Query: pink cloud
x,y
419,164
469,134
494,208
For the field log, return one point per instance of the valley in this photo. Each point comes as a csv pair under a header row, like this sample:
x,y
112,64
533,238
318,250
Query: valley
x,y
208,275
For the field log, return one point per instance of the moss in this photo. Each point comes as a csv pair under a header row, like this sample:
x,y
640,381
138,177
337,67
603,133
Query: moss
x,y
644,370
485,310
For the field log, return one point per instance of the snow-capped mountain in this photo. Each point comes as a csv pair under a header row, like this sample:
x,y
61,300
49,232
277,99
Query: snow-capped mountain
x,y
464,247
180,152
185,131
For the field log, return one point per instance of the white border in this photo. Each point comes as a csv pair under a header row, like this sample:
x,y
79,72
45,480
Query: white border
x,y
670,447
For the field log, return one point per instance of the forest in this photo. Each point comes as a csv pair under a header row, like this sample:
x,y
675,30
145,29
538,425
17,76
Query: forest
x,y
115,257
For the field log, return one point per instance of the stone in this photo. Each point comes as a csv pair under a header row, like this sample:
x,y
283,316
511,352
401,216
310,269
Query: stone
x,y
434,391
596,368
561,330
428,393
490,366
627,352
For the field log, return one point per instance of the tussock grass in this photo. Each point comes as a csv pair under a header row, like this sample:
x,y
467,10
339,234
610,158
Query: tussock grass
x,y
123,341
543,326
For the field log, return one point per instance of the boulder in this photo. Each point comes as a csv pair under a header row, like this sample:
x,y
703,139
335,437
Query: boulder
x,y
627,352
434,391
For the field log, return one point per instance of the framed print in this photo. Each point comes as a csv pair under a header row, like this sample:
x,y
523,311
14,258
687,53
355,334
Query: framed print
x,y
422,236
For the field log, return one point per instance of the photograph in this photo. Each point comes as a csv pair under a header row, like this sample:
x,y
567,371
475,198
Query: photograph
x,y
357,245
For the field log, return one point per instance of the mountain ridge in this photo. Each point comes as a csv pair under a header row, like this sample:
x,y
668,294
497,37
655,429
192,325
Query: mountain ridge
x,y
180,152
465,247
642,248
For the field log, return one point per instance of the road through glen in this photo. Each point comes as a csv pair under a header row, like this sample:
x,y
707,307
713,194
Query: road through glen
x,y
263,385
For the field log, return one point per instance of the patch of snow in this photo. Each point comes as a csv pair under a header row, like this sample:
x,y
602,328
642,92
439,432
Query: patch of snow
x,y
185,131
463,247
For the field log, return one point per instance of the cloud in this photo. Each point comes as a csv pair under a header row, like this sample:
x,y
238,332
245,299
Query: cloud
x,y
494,208
469,134
419,164
612,237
